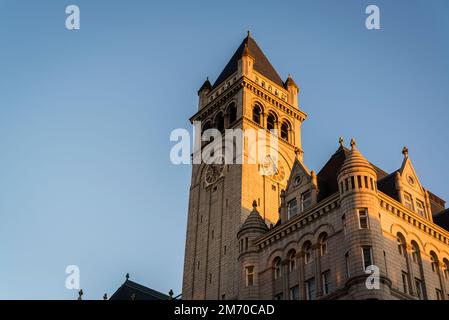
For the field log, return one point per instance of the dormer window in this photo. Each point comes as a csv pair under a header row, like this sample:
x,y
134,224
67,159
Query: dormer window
x,y
420,208
408,202
306,200
292,209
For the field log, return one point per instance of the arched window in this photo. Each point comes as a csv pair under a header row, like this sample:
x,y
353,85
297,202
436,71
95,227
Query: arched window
x,y
292,260
277,268
284,130
415,252
401,244
271,121
434,261
323,244
206,126
308,256
232,110
256,114
446,268
219,122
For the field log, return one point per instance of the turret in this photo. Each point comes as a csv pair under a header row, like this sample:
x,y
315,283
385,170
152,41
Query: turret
x,y
203,92
246,62
253,227
293,91
363,242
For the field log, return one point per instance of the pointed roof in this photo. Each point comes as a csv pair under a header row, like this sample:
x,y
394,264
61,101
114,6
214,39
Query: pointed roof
x,y
254,221
261,64
206,86
355,159
290,82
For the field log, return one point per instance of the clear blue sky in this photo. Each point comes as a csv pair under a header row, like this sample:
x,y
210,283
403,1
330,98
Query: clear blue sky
x,y
85,118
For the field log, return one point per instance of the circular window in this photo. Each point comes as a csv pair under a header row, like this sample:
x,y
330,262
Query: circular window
x,y
297,180
411,180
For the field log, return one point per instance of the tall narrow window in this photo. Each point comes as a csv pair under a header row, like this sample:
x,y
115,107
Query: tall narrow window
x,y
284,131
408,201
310,289
256,114
292,209
292,260
219,122
434,261
232,113
323,244
306,200
249,271
419,289
352,183
359,181
415,252
363,219
366,182
367,254
343,223
308,257
420,208
401,244
405,282
326,282
277,268
271,120
446,268
348,273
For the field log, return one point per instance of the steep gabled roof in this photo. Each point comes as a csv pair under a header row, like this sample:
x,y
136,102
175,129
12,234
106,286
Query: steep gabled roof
x,y
131,290
261,64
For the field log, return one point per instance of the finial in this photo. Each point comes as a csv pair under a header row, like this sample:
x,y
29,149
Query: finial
x,y
353,144
254,204
170,293
249,33
341,141
80,294
405,152
105,296
127,276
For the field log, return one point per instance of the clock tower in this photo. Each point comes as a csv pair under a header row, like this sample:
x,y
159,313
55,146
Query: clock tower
x,y
249,97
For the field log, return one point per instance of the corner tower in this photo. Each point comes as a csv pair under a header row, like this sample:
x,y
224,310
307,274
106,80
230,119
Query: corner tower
x,y
247,95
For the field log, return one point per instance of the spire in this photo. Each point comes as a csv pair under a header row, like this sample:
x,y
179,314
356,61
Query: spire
x,y
261,64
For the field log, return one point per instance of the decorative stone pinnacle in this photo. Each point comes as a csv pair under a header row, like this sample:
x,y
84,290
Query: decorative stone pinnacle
x,y
127,276
341,141
170,293
353,144
105,296
249,33
254,204
405,152
80,294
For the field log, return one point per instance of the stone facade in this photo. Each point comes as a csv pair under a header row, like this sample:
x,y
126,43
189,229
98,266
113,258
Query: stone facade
x,y
293,233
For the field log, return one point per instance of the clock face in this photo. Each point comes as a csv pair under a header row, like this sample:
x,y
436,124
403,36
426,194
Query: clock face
x,y
213,173
269,168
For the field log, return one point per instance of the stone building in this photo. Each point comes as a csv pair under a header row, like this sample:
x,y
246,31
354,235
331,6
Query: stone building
x,y
291,233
